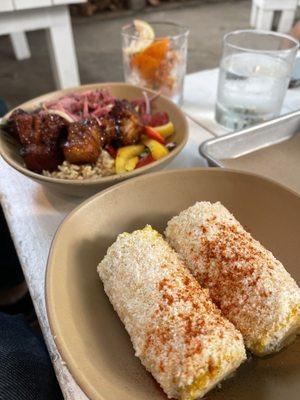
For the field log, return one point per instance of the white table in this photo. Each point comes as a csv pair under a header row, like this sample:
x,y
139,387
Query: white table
x,y
33,214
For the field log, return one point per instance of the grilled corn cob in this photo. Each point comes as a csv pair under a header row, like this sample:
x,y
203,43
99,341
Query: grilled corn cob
x,y
176,331
252,288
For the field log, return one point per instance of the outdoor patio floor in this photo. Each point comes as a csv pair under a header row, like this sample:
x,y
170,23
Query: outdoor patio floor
x,y
98,47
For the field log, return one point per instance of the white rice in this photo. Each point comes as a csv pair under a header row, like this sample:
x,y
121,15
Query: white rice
x,y
104,166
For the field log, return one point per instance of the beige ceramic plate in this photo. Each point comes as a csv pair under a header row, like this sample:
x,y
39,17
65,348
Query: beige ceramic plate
x,y
87,331
10,150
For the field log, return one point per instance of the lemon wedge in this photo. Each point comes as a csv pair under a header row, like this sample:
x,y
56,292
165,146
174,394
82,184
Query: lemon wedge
x,y
143,29
144,37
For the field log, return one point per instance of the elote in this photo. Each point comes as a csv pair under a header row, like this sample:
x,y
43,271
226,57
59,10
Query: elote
x,y
177,332
252,288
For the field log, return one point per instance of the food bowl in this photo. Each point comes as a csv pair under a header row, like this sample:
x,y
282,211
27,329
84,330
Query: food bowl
x,y
88,333
9,148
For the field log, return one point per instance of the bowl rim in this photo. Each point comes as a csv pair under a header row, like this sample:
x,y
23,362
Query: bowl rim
x,y
84,385
97,180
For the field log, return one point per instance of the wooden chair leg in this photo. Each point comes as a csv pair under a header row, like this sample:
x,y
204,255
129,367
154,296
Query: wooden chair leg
x,y
20,45
264,19
253,16
62,50
286,20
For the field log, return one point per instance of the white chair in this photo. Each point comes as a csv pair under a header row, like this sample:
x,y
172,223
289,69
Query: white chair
x,y
20,16
263,11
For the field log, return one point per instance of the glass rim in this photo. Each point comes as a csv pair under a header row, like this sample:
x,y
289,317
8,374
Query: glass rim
x,y
261,32
185,29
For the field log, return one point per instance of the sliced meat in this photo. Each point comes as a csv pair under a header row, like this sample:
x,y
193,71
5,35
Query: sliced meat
x,y
39,157
84,142
25,127
47,139
40,135
10,126
35,128
122,125
53,128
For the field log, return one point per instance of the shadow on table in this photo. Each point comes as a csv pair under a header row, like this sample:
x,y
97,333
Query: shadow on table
x,y
58,200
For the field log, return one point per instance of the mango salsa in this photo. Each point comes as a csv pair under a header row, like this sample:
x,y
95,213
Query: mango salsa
x,y
131,163
165,130
157,149
126,153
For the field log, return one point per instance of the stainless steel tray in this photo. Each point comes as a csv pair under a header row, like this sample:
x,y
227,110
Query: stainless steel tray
x,y
271,149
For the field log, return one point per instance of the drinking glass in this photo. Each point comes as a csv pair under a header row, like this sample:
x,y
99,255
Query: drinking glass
x,y
255,70
158,64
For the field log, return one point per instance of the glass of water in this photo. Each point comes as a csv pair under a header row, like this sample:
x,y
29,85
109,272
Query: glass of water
x,y
255,70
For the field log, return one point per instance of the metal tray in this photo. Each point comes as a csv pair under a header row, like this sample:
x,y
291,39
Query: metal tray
x,y
271,149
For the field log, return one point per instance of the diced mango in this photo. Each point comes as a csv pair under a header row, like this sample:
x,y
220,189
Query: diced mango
x,y
165,130
125,153
157,149
131,163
